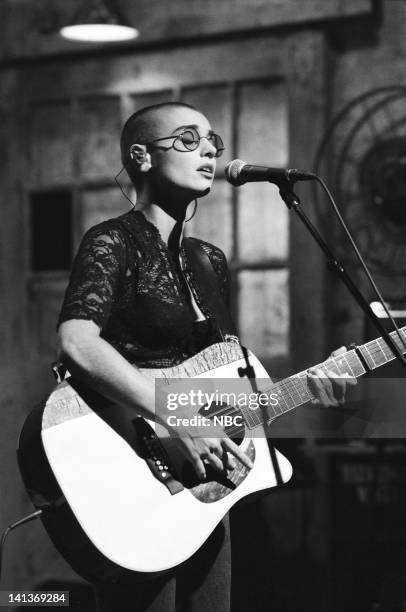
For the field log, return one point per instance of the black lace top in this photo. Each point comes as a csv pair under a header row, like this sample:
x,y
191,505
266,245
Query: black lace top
x,y
125,279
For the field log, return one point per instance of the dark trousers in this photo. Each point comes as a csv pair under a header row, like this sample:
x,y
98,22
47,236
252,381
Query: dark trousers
x,y
200,584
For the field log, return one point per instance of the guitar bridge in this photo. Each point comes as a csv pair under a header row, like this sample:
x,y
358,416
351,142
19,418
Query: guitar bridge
x,y
155,456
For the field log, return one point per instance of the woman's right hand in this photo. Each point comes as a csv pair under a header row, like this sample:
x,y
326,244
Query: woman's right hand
x,y
218,450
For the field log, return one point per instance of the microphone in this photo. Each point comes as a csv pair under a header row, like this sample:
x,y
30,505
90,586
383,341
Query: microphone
x,y
238,172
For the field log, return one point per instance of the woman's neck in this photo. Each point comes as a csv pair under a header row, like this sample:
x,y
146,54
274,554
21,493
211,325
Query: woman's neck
x,y
160,218
167,211
163,220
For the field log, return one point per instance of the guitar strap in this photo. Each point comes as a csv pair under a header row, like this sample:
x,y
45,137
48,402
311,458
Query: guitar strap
x,y
208,282
209,285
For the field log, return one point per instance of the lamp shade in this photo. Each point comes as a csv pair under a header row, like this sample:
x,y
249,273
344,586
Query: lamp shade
x,y
95,22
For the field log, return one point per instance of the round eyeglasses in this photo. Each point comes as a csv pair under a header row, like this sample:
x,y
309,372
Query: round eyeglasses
x,y
189,140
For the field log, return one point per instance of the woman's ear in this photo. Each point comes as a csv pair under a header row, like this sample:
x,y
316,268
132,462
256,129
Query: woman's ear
x,y
139,154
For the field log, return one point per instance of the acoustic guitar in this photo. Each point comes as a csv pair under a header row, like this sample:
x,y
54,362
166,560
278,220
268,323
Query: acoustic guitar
x,y
119,502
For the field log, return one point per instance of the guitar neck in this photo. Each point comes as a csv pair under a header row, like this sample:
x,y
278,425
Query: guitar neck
x,y
294,391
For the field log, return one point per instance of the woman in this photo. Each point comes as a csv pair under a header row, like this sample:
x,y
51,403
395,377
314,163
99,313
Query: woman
x,y
133,298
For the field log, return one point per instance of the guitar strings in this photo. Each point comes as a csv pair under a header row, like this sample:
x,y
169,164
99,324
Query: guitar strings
x,y
297,386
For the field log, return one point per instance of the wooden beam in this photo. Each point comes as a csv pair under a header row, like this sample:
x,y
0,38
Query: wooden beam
x,y
184,18
306,67
154,70
27,26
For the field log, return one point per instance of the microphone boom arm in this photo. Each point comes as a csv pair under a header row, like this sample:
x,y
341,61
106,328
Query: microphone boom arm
x,y
292,201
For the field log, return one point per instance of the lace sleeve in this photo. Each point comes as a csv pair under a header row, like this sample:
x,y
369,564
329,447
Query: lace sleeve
x,y
219,263
95,276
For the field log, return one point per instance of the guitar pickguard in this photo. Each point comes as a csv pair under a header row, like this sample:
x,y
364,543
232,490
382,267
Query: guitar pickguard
x,y
176,477
224,483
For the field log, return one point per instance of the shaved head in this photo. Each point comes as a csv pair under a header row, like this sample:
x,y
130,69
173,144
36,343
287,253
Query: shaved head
x,y
150,165
143,126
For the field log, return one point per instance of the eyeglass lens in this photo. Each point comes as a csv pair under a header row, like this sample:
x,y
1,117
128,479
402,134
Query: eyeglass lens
x,y
190,139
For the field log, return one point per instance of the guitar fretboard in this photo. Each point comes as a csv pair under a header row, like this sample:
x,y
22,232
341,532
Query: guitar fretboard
x,y
294,391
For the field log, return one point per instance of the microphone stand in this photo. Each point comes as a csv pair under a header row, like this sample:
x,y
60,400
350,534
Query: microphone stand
x,y
292,201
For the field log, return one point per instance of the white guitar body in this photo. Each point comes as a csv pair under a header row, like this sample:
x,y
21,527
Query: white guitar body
x,y
124,510
110,504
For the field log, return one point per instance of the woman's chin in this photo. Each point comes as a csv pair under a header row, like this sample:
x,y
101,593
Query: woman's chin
x,y
190,192
203,190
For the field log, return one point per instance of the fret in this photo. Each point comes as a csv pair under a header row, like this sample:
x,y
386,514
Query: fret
x,y
348,364
259,416
362,365
374,351
355,362
378,353
285,390
375,355
370,353
332,366
289,401
274,411
283,402
323,368
368,359
282,405
294,391
386,350
400,342
343,365
256,417
249,417
303,390
277,408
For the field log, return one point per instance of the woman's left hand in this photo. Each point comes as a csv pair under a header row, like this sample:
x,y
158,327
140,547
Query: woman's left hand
x,y
328,387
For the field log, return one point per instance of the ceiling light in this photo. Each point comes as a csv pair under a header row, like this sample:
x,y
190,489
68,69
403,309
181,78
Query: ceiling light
x,y
97,22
